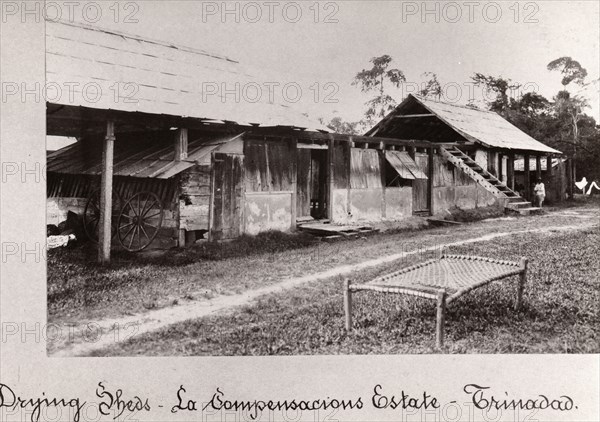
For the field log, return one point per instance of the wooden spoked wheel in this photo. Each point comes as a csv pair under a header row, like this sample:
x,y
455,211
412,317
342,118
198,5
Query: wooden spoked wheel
x,y
91,214
140,221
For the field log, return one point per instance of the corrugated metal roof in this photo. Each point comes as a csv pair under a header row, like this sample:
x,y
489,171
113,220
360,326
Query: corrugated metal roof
x,y
152,161
483,127
109,70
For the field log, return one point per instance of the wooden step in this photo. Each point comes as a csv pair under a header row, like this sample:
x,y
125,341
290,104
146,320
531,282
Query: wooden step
x,y
325,229
529,210
517,205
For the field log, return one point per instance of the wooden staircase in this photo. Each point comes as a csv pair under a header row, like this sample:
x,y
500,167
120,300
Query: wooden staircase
x,y
514,202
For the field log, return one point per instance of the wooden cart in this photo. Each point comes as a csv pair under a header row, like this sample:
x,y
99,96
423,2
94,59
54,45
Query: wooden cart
x,y
135,223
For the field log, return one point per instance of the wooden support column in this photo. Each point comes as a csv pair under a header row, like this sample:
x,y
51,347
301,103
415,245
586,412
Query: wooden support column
x,y
521,285
551,191
549,169
430,170
294,163
510,171
347,305
330,177
106,188
500,173
180,143
527,178
440,317
538,167
412,151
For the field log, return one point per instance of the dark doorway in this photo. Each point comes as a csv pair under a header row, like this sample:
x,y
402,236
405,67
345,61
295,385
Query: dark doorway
x,y
421,187
312,183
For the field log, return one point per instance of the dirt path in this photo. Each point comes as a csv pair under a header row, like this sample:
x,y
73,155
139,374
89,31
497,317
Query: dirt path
x,y
84,339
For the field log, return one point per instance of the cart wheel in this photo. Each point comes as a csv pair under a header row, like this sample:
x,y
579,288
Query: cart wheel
x,y
140,221
91,214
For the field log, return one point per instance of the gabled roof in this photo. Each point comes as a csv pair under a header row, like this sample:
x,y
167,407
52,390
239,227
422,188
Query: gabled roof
x,y
110,70
439,121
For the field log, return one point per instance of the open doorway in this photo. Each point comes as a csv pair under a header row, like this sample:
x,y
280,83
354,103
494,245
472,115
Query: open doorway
x,y
312,184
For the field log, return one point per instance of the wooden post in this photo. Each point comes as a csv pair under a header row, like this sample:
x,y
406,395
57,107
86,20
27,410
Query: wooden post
x,y
510,170
181,144
211,204
430,171
549,168
439,323
527,178
294,163
181,237
180,231
500,162
348,305
330,177
106,186
551,187
538,167
491,163
522,281
412,151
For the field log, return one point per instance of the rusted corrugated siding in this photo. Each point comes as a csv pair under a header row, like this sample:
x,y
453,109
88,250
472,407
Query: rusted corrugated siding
x,y
141,160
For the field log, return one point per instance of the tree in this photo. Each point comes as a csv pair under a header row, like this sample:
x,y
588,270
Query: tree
x,y
570,107
531,104
432,87
375,80
338,125
571,70
499,87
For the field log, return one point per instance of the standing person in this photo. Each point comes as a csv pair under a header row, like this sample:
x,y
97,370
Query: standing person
x,y
539,190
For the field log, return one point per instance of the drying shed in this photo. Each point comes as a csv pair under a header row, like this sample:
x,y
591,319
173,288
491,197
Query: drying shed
x,y
148,116
488,147
152,144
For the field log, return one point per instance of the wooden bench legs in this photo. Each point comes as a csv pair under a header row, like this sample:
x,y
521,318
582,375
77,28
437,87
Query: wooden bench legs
x,y
348,304
442,298
439,321
521,285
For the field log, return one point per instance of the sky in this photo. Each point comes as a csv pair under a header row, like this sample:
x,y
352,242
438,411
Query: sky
x,y
322,45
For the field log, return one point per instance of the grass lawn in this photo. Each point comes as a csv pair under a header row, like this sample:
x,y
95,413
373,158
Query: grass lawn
x,y
560,313
80,290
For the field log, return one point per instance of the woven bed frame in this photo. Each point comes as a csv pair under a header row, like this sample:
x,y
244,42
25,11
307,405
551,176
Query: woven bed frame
x,y
443,280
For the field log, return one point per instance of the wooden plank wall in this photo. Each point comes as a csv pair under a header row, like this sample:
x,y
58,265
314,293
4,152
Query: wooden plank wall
x,y
269,165
365,169
271,199
228,196
194,198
